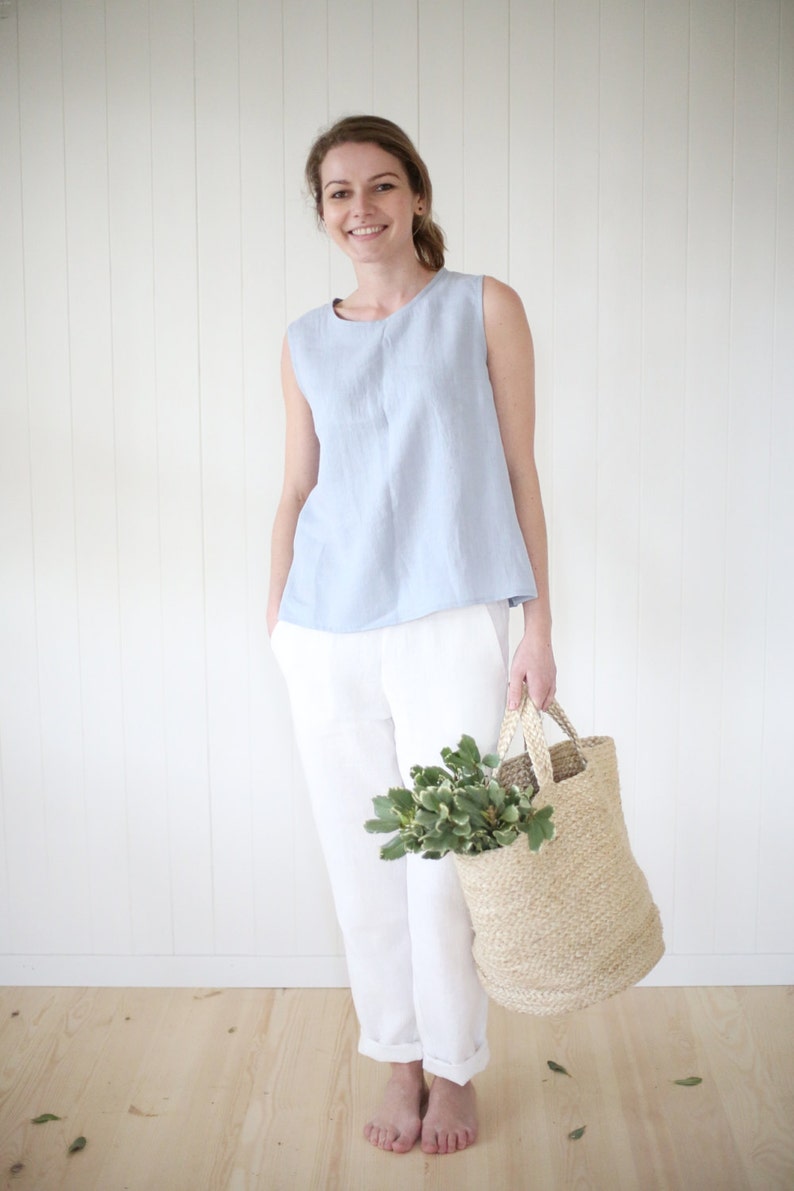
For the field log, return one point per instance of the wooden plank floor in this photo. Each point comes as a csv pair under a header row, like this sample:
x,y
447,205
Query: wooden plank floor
x,y
197,1090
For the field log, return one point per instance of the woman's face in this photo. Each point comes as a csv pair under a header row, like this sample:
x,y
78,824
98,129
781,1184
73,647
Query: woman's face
x,y
367,203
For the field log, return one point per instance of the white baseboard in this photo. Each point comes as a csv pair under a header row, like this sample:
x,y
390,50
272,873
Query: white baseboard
x,y
705,970
174,971
324,971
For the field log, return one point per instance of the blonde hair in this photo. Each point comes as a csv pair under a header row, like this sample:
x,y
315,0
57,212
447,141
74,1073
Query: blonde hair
x,y
428,236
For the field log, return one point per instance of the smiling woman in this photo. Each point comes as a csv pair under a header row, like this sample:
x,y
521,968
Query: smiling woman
x,y
394,565
366,202
374,132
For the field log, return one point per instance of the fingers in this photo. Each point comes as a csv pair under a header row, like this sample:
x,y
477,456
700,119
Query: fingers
x,y
540,691
515,691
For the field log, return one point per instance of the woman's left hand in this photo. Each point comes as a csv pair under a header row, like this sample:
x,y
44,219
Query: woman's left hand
x,y
533,664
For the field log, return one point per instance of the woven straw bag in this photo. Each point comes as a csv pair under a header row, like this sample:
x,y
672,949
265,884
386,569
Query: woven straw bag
x,y
574,923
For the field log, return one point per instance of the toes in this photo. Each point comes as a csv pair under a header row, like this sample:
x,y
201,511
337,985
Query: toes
x,y
430,1142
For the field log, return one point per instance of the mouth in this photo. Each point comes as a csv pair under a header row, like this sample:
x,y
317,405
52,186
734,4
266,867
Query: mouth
x,y
362,233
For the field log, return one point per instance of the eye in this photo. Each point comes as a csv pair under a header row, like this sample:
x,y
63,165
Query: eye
x,y
385,186
338,194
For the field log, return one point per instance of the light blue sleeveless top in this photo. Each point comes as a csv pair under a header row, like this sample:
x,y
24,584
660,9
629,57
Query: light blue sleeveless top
x,y
413,511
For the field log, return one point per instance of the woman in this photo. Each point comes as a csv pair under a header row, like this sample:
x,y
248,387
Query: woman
x,y
410,520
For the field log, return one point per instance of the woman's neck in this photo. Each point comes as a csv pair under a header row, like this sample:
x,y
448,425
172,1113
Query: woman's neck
x,y
383,289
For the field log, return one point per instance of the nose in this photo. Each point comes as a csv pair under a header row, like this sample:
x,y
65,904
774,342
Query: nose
x,y
362,203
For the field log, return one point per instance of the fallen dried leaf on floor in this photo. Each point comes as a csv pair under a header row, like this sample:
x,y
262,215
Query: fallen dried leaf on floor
x,y
690,1082
79,1143
575,1134
556,1067
45,1116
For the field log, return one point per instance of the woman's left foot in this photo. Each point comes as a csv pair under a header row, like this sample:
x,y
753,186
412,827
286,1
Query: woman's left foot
x,y
450,1123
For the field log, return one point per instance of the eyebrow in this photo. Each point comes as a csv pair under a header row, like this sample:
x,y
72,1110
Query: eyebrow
x,y
374,178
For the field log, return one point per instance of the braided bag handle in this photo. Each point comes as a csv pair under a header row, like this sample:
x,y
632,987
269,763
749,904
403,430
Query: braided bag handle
x,y
534,740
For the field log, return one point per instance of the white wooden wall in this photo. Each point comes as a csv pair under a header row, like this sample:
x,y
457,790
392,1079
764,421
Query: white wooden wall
x,y
628,166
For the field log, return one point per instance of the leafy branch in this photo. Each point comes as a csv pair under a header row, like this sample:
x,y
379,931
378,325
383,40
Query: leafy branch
x,y
460,807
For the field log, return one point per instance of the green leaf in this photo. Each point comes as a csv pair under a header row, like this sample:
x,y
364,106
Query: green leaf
x,y
432,775
509,814
381,825
467,747
79,1143
385,809
538,830
575,1134
552,1066
472,803
45,1116
403,799
505,838
690,1082
429,800
535,836
491,760
393,850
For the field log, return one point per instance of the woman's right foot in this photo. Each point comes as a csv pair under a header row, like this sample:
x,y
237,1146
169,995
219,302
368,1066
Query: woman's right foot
x,y
397,1124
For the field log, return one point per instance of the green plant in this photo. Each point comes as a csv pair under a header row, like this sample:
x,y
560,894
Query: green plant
x,y
461,808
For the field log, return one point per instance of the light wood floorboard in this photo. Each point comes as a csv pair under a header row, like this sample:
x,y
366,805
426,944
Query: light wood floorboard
x,y
198,1090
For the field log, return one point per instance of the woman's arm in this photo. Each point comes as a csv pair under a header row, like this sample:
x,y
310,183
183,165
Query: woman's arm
x,y
511,366
301,463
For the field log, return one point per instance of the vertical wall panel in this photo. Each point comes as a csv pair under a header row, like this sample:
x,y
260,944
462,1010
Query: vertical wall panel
x,y
441,115
708,303
263,314
531,207
575,345
749,412
774,857
223,469
176,344
665,132
616,447
395,65
306,111
486,134
137,481
96,538
24,885
60,855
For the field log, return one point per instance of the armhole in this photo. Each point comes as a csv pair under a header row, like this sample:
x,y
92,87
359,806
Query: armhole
x,y
480,279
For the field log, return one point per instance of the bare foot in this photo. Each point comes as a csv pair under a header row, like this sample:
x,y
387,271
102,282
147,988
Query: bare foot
x,y
398,1121
450,1123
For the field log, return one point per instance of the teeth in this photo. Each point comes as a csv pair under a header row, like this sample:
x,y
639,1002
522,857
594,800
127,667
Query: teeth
x,y
365,231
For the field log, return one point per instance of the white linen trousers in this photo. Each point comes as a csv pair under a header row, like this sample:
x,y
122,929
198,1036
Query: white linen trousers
x,y
367,706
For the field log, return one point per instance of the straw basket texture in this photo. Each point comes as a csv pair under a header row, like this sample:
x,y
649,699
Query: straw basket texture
x,y
573,923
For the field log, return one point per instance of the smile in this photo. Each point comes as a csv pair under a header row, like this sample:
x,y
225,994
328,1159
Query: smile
x,y
362,232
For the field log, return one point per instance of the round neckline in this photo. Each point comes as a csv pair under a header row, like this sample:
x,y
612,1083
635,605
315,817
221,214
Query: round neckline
x,y
378,322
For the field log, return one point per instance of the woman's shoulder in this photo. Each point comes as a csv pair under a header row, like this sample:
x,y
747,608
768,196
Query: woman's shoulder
x,y
500,301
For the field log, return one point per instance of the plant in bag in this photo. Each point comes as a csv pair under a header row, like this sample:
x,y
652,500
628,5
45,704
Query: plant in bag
x,y
462,808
